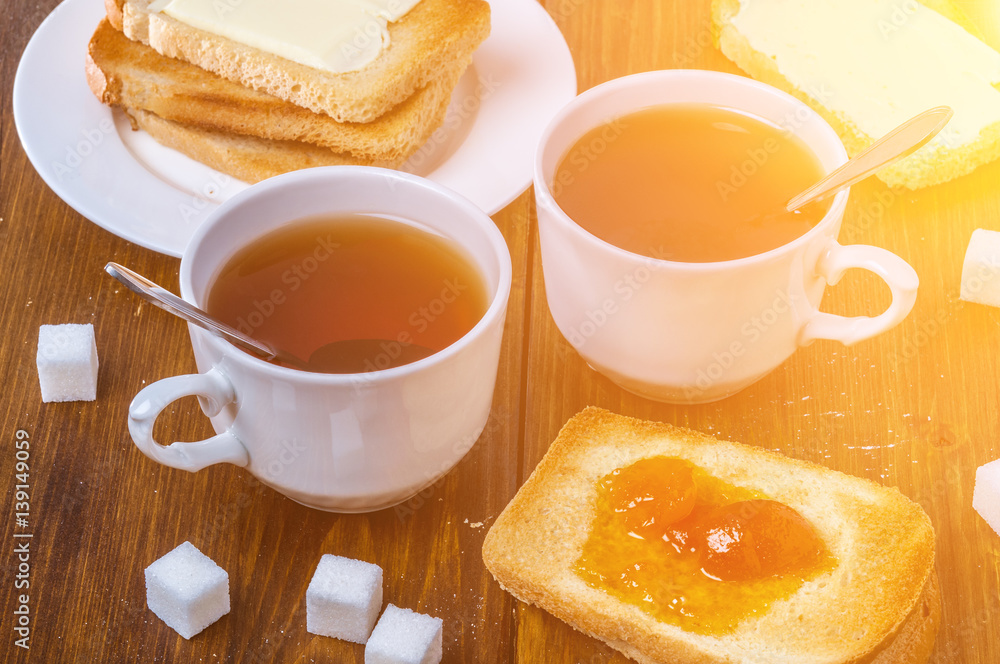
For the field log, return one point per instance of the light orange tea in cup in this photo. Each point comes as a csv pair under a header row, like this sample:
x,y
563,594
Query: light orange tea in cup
x,y
373,292
689,182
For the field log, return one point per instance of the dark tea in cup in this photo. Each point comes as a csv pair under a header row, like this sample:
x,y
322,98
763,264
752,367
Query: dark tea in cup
x,y
365,292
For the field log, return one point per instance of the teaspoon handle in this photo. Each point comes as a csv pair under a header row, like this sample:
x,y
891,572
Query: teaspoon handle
x,y
898,143
161,297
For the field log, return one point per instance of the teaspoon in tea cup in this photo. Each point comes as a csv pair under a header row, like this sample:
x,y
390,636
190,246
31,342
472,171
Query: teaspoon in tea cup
x,y
344,356
901,142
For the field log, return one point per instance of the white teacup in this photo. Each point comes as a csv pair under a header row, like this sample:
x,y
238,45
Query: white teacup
x,y
699,332
345,443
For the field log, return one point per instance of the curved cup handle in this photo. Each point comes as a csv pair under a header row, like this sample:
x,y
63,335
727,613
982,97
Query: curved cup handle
x,y
214,391
894,271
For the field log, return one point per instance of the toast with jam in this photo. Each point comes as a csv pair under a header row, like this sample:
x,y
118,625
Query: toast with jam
x,y
674,547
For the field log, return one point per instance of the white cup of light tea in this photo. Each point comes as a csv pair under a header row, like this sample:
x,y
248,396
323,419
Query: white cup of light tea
x,y
668,262
321,258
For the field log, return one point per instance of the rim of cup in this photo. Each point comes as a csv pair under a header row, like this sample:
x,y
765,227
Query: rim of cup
x,y
463,206
599,92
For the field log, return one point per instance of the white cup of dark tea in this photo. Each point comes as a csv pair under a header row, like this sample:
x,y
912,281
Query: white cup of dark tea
x,y
319,259
668,261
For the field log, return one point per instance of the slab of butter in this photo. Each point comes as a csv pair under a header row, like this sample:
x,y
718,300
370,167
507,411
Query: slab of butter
x,y
879,62
334,35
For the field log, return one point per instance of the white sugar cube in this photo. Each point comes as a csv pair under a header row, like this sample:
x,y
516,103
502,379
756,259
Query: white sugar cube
x,y
403,636
986,495
67,362
343,599
981,270
187,590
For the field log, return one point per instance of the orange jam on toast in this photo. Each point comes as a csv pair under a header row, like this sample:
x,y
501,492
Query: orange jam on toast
x,y
695,551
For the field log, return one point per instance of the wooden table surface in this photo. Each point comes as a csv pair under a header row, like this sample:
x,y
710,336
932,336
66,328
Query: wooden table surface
x,y
916,408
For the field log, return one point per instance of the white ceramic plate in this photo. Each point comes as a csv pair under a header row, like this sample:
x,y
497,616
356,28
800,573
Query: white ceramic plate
x,y
132,186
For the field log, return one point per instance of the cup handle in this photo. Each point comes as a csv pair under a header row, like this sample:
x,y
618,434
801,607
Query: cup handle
x,y
214,391
894,271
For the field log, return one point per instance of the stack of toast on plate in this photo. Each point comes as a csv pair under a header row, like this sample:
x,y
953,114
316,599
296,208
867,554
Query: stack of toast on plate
x,y
252,114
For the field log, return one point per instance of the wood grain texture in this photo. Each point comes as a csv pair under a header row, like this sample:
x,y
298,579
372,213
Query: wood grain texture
x,y
101,511
915,408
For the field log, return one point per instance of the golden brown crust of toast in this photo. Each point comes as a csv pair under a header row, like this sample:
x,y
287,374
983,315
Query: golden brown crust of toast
x,y
427,41
113,8
914,172
884,545
915,640
245,158
127,73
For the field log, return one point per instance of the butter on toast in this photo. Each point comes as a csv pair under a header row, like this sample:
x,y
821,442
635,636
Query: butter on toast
x,y
879,604
868,65
126,73
431,39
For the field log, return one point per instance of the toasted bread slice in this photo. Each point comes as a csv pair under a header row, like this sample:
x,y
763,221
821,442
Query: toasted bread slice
x,y
246,158
432,38
900,33
123,72
878,604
